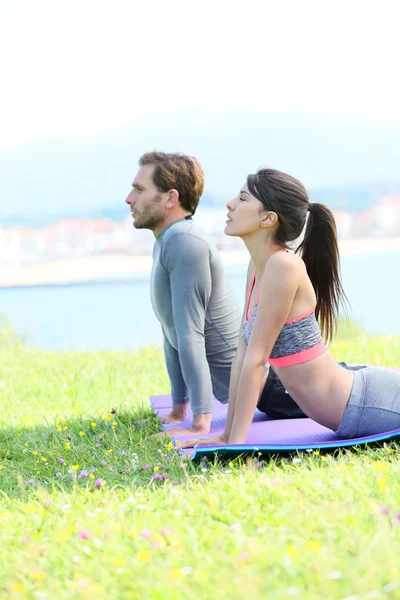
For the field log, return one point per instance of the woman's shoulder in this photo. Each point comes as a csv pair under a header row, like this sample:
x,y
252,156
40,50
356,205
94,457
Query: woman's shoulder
x,y
285,267
285,260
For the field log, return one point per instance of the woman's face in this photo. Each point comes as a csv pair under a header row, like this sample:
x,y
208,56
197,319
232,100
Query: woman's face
x,y
244,214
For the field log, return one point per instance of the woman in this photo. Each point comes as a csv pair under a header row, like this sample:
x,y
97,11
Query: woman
x,y
287,294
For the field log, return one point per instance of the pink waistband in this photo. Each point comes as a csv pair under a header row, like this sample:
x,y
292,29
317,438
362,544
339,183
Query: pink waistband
x,y
300,357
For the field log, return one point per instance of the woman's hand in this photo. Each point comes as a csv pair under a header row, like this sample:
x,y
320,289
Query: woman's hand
x,y
219,440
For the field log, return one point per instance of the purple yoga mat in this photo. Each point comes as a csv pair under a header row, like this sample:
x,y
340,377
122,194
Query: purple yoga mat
x,y
263,430
268,434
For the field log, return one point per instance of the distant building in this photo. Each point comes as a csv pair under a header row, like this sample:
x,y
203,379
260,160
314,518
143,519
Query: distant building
x,y
387,215
76,237
344,222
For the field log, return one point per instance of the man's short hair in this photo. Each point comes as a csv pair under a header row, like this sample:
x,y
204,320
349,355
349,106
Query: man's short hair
x,y
173,171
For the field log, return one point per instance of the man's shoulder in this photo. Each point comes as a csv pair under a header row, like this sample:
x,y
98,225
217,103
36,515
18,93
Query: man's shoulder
x,y
186,235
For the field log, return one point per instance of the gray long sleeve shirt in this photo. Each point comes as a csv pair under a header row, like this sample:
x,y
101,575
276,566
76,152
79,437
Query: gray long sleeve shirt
x,y
198,312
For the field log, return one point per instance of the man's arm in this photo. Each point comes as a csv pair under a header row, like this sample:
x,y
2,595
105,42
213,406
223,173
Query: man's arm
x,y
187,259
178,388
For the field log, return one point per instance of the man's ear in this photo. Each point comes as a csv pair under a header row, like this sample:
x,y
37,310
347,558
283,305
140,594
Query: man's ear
x,y
269,219
173,198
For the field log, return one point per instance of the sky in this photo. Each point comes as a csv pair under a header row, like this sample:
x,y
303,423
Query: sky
x,y
89,85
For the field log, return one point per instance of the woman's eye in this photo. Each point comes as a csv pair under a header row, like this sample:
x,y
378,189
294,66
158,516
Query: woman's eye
x,y
242,199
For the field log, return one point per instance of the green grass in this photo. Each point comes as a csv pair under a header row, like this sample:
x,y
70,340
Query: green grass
x,y
312,526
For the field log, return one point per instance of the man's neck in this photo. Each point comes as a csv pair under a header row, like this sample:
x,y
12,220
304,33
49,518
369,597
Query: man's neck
x,y
170,221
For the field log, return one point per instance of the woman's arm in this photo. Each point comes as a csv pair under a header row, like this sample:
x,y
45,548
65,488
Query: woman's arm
x,y
278,289
236,369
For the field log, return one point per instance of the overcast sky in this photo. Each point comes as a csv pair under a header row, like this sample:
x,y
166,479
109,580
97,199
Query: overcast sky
x,y
85,69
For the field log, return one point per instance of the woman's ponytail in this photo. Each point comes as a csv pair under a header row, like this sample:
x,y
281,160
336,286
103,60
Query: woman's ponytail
x,y
320,252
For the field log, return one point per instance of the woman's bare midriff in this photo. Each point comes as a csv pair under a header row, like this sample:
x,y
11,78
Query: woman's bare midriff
x,y
320,387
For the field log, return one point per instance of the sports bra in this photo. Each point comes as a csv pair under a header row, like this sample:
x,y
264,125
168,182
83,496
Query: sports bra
x,y
298,342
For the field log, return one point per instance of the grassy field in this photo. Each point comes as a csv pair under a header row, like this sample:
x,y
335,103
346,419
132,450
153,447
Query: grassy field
x,y
89,508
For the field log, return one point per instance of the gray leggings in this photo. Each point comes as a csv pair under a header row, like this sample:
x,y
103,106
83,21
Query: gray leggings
x,y
374,403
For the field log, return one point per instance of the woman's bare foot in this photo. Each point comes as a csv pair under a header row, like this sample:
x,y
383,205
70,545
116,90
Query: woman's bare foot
x,y
177,415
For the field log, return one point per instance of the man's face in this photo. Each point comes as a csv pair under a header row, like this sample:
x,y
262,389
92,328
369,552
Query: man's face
x,y
145,201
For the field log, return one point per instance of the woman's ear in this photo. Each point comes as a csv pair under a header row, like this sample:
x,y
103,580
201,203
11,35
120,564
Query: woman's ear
x,y
269,219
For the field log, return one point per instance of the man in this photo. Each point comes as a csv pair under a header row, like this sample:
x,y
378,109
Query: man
x,y
190,294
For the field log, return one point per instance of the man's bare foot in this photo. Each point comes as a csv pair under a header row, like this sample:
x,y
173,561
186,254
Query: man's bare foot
x,y
177,415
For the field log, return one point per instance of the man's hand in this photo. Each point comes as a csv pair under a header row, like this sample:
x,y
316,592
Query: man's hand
x,y
219,440
201,426
193,430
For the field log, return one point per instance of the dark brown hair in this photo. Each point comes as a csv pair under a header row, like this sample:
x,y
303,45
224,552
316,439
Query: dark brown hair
x,y
288,198
177,172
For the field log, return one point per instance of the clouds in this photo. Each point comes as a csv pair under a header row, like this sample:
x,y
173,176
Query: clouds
x,y
52,176
79,68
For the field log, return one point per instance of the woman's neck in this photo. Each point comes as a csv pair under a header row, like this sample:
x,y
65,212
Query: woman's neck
x,y
261,249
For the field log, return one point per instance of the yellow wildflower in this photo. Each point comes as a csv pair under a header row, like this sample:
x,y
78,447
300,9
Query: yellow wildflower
x,y
314,545
26,444
108,417
65,428
18,587
81,433
91,476
292,551
38,576
68,445
143,556
132,532
175,574
75,467
34,452
59,428
379,466
43,459
94,424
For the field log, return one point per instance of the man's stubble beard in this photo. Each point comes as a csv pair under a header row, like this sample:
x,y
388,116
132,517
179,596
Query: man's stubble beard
x,y
149,220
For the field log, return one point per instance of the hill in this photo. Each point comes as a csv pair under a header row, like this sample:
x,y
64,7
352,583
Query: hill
x,y
353,198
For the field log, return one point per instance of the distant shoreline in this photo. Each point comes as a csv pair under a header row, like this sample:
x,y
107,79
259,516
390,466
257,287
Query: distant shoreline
x,y
111,268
